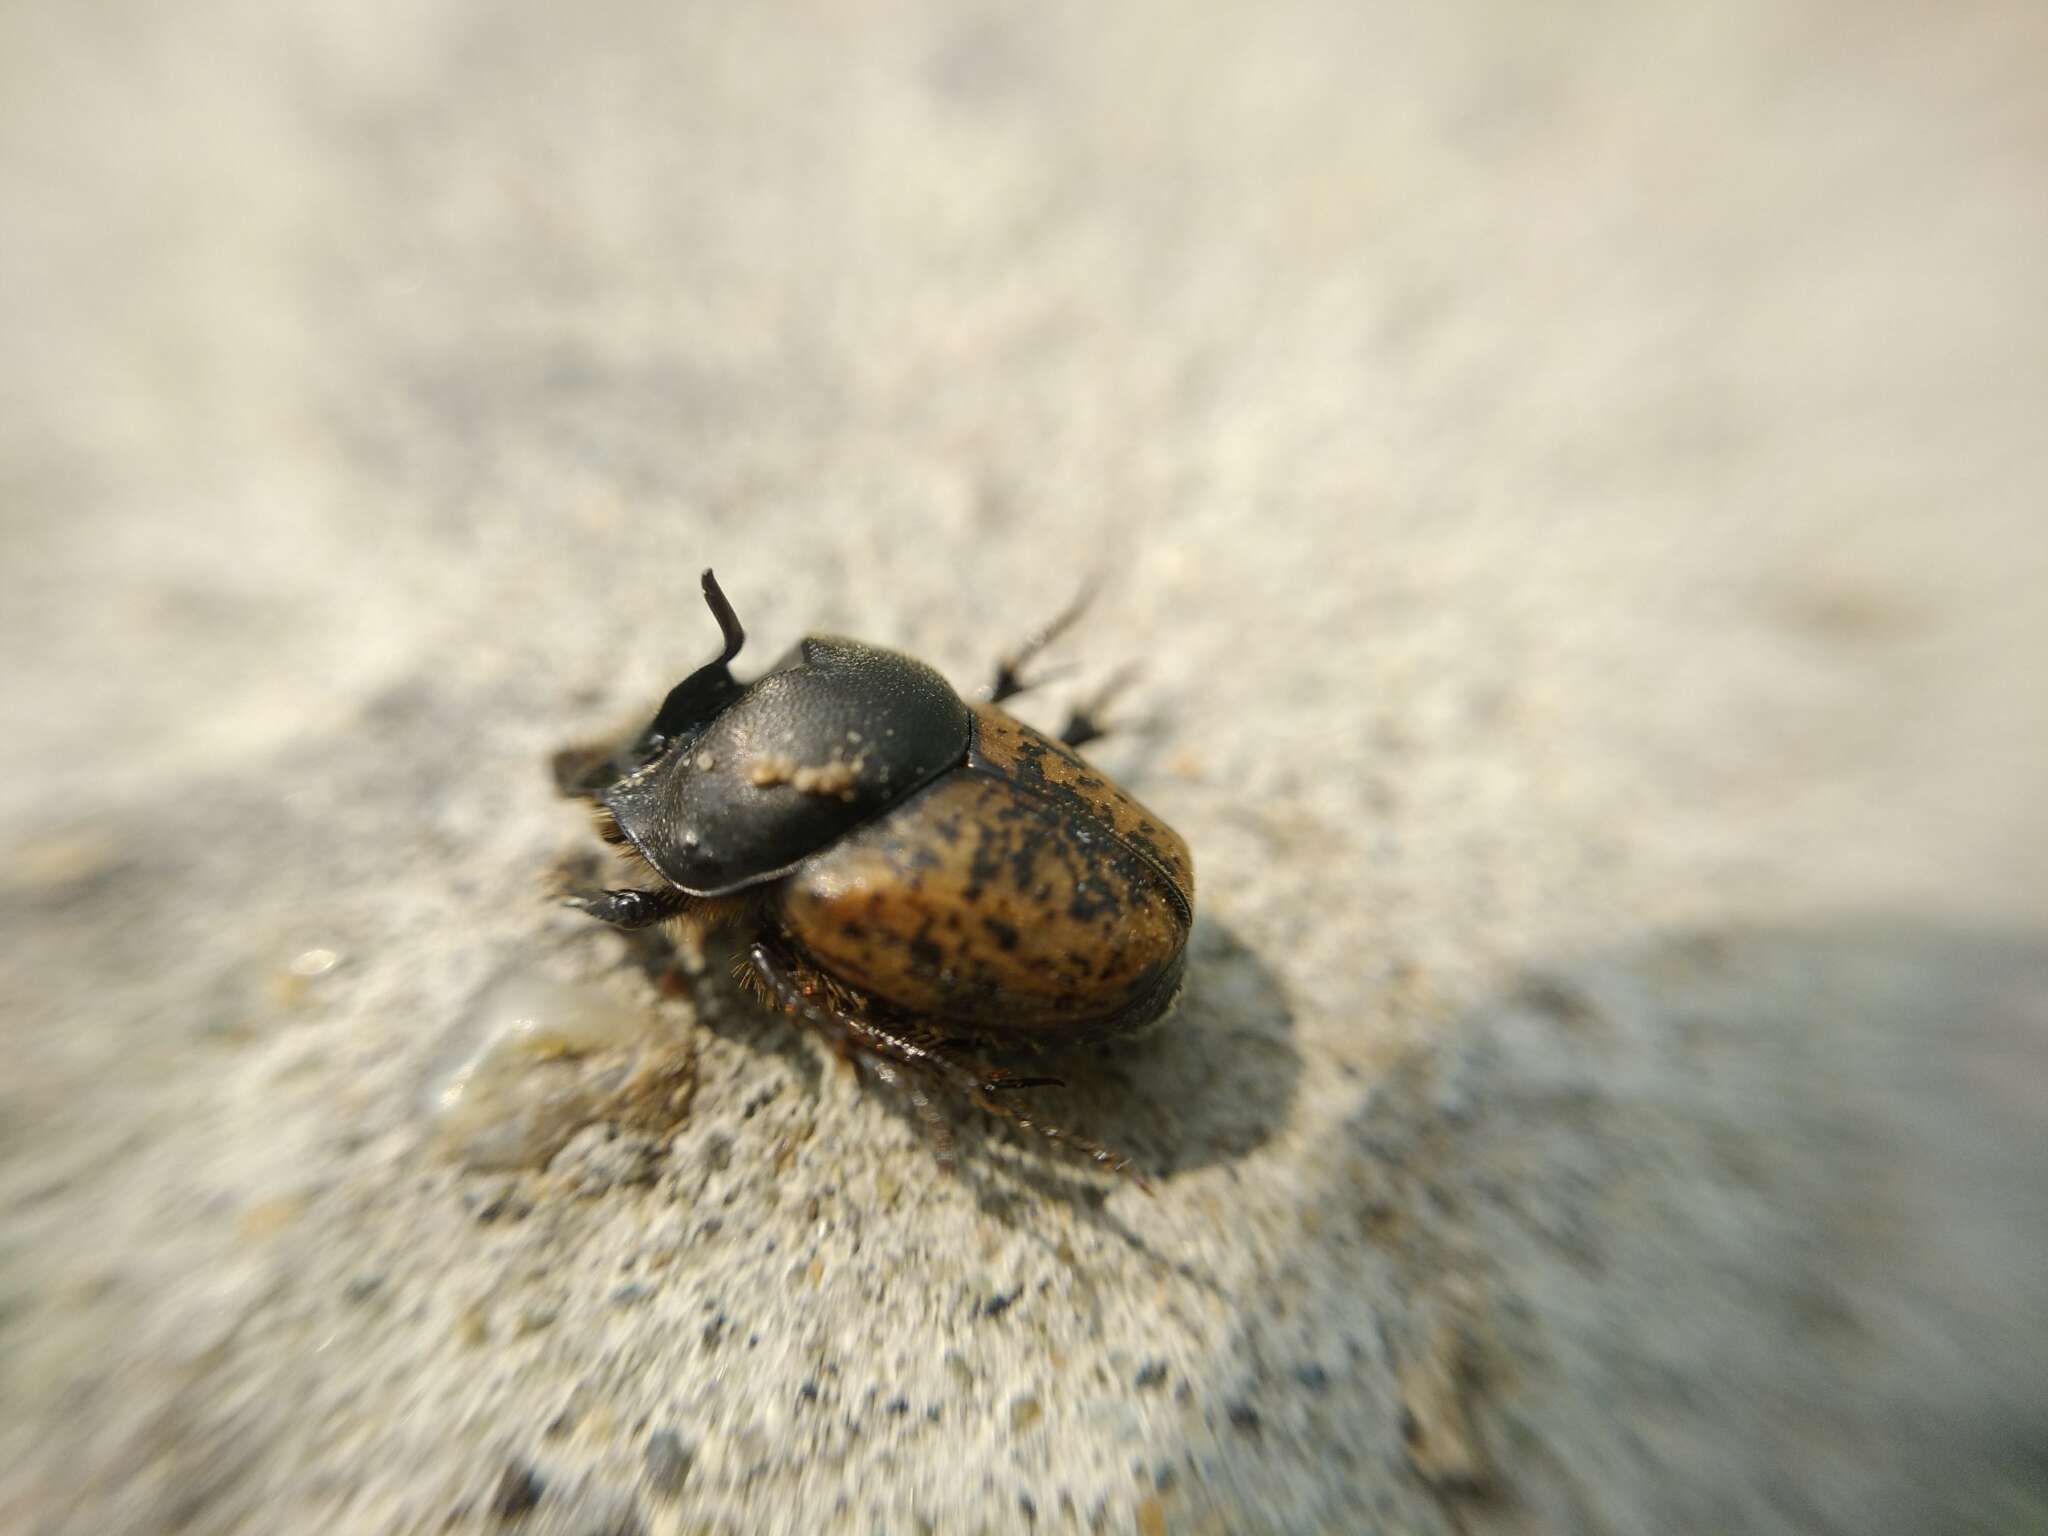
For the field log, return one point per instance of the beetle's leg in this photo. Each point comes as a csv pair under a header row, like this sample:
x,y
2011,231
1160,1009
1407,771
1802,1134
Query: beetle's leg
x,y
1085,723
583,771
1010,679
1010,1084
630,908
936,1125
803,995
1094,1151
981,1085
800,993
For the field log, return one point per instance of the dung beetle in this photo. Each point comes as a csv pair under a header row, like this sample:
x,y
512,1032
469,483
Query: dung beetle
x,y
920,878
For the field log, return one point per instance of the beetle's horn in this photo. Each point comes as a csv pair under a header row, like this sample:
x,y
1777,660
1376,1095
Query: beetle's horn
x,y
704,692
690,706
728,621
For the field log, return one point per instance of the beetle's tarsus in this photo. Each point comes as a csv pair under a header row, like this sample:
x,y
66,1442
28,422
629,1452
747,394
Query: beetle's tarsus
x,y
1085,724
629,908
1079,1146
1080,729
936,1126
788,983
1010,679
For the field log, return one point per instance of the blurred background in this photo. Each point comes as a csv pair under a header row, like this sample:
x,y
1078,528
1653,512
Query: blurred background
x,y
1573,478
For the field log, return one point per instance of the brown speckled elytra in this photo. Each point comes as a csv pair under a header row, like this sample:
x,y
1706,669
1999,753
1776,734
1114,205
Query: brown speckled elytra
x,y
920,878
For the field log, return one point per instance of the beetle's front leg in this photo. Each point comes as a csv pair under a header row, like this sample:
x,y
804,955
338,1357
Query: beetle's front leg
x,y
630,908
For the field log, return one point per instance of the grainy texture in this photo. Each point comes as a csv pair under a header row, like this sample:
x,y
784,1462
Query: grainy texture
x,y
1573,478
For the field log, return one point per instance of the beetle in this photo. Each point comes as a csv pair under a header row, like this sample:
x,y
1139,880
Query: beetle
x,y
920,878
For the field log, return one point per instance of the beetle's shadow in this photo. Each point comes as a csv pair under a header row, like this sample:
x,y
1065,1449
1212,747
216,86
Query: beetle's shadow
x,y
1208,1085
1731,1229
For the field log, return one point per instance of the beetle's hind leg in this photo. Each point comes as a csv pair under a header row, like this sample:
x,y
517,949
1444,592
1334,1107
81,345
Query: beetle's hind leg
x,y
1085,723
984,1094
935,1124
802,993
1010,679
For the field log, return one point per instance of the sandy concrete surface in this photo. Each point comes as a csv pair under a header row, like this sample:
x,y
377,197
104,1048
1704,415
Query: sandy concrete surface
x,y
1574,479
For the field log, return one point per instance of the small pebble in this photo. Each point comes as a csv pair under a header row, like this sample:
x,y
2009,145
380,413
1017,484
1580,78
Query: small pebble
x,y
1151,1374
538,1316
668,1462
1312,1376
540,1060
519,1489
1244,1417
503,1203
314,962
267,1218
1025,1412
1436,1430
999,1303
72,859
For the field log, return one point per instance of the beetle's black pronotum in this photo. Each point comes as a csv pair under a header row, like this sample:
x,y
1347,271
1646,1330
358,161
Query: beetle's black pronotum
x,y
921,878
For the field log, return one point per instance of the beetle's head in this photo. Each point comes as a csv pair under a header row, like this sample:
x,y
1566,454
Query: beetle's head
x,y
690,706
694,702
